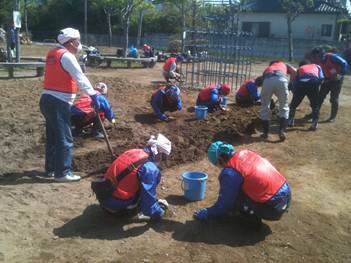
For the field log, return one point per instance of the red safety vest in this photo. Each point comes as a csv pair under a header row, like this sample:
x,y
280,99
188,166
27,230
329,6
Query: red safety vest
x,y
56,78
243,91
308,69
278,66
261,179
129,185
84,103
167,66
205,94
328,65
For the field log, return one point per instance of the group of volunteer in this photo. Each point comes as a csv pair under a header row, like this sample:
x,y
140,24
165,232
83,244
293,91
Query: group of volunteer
x,y
249,185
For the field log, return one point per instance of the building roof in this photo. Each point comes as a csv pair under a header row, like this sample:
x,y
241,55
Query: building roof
x,y
274,6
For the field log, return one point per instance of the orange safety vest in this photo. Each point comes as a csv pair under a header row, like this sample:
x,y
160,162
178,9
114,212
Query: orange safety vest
x,y
167,66
261,179
84,104
243,91
205,94
328,65
308,69
56,77
129,185
277,67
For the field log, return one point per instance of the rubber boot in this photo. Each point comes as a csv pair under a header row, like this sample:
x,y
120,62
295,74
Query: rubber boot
x,y
333,112
265,127
282,128
291,121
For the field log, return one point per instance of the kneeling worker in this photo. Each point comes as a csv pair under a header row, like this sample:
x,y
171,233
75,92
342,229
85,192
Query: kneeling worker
x,y
249,185
166,99
211,96
132,178
248,94
83,114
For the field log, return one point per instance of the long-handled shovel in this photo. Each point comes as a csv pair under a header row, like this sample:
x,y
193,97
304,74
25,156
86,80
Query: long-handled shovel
x,y
105,136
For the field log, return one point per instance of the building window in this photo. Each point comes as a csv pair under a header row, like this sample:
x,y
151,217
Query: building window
x,y
259,29
326,30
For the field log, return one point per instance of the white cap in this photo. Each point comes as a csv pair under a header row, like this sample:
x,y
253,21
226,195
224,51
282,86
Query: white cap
x,y
161,144
101,87
68,34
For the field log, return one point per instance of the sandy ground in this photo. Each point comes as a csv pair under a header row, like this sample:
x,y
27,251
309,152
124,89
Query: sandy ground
x,y
43,221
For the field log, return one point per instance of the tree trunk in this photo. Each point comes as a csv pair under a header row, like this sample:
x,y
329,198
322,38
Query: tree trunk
x,y
86,22
109,29
26,16
290,39
126,36
140,26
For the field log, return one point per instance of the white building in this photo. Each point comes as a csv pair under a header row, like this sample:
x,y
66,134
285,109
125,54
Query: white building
x,y
265,18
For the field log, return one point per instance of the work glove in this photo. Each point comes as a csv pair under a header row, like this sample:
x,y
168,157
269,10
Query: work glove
x,y
96,103
201,214
113,121
163,203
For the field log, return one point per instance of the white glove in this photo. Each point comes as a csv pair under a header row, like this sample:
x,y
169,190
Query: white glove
x,y
141,216
163,203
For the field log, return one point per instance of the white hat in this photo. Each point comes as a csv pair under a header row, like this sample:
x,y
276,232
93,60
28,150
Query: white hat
x,y
101,87
161,144
68,34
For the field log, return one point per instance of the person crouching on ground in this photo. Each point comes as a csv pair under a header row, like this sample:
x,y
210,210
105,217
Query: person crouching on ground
x,y
211,96
308,79
83,113
248,94
166,99
171,68
132,179
249,186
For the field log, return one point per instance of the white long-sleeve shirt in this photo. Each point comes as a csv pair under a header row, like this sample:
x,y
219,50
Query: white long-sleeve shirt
x,y
70,64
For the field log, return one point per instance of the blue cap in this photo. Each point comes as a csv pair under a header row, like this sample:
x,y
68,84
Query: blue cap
x,y
217,148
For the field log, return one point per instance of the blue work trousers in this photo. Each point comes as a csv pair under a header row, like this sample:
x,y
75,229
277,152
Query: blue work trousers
x,y
59,140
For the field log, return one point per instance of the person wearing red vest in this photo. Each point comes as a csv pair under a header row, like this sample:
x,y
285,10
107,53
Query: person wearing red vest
x,y
307,82
248,94
276,83
334,68
166,99
63,76
211,96
171,68
84,114
249,186
132,180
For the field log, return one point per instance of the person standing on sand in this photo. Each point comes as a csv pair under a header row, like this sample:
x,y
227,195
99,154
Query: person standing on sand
x,y
62,78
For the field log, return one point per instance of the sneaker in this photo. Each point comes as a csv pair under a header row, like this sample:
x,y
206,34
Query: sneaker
x,y
331,119
282,136
68,178
291,122
314,126
99,135
50,174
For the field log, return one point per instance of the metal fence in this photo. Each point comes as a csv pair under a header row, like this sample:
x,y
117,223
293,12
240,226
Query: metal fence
x,y
217,57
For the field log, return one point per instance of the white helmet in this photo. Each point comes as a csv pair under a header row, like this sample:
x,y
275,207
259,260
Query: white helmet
x,y
101,87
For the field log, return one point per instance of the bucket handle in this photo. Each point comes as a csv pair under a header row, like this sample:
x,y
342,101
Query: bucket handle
x,y
182,184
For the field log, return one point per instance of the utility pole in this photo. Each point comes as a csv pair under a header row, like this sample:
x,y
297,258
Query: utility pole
x,y
17,8
86,22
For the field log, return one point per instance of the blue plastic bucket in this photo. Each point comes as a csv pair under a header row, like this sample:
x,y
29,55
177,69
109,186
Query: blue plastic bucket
x,y
194,185
224,101
200,112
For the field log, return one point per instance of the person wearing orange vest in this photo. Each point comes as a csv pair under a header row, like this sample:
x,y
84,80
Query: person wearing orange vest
x,y
63,76
248,94
334,68
276,83
171,68
211,96
166,99
83,113
249,186
132,179
308,79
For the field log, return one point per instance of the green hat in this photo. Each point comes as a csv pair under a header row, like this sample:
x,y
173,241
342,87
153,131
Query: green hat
x,y
217,148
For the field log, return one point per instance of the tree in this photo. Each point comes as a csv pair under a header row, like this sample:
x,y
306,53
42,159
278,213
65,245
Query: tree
x,y
293,8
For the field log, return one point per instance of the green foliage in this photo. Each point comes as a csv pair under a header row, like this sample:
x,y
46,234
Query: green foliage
x,y
295,7
174,46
